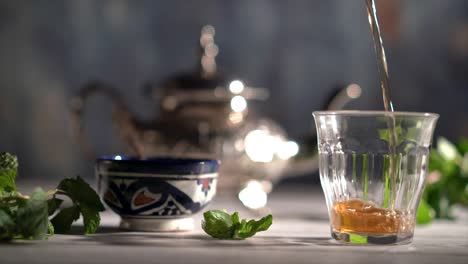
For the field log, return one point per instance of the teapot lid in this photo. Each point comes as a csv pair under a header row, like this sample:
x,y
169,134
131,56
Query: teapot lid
x,y
206,76
206,83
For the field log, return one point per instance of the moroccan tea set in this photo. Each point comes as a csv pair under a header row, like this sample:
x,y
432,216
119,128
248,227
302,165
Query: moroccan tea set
x,y
207,138
204,118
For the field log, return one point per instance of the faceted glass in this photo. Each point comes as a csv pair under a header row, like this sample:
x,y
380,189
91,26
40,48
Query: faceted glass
x,y
372,180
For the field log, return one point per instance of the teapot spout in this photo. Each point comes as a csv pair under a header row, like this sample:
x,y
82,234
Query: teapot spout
x,y
121,116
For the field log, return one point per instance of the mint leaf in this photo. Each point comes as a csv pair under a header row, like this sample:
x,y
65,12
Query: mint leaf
x,y
53,204
218,224
250,228
264,223
10,201
462,146
7,179
464,165
64,219
221,225
357,239
8,161
32,217
23,217
447,149
244,230
85,200
235,218
384,134
8,171
50,228
91,220
448,163
81,193
425,213
7,226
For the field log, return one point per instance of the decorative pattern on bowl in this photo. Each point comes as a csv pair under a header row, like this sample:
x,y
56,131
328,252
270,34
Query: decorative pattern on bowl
x,y
149,193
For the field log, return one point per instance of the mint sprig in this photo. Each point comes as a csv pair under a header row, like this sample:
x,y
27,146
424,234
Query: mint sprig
x,y
85,201
32,218
8,171
39,215
447,183
221,225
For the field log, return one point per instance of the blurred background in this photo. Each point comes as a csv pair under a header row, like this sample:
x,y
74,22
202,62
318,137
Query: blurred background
x,y
300,50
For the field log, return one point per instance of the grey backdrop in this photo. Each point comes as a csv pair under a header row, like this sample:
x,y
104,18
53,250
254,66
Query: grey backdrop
x,y
299,49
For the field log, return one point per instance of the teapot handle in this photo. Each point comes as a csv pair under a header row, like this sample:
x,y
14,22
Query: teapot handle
x,y
120,115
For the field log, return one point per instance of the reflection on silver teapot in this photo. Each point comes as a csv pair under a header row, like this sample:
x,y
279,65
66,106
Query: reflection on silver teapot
x,y
203,114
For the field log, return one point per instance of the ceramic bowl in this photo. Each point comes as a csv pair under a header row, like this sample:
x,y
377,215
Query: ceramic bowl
x,y
156,194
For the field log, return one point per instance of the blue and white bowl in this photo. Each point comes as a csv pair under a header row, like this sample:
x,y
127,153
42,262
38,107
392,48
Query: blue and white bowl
x,y
156,194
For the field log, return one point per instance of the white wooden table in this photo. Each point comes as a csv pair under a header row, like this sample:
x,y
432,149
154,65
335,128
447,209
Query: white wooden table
x,y
299,234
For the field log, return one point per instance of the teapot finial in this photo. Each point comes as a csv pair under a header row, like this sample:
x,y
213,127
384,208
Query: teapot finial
x,y
208,51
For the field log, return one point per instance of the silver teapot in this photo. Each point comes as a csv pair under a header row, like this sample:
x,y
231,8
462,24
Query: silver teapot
x,y
205,114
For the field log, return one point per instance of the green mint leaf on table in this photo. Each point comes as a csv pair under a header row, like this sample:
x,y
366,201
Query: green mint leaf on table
x,y
235,218
250,228
24,217
81,193
7,226
53,205
63,221
8,171
11,201
32,217
218,224
50,228
91,219
85,201
245,229
221,225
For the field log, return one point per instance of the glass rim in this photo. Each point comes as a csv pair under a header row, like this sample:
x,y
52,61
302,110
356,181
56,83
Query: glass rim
x,y
375,113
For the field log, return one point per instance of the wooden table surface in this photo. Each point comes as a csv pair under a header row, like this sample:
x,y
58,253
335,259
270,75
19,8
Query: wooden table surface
x,y
299,234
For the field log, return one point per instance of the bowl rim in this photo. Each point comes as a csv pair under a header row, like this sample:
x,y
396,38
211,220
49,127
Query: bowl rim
x,y
154,159
155,165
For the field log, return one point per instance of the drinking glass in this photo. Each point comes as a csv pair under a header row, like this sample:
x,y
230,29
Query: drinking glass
x,y
372,169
